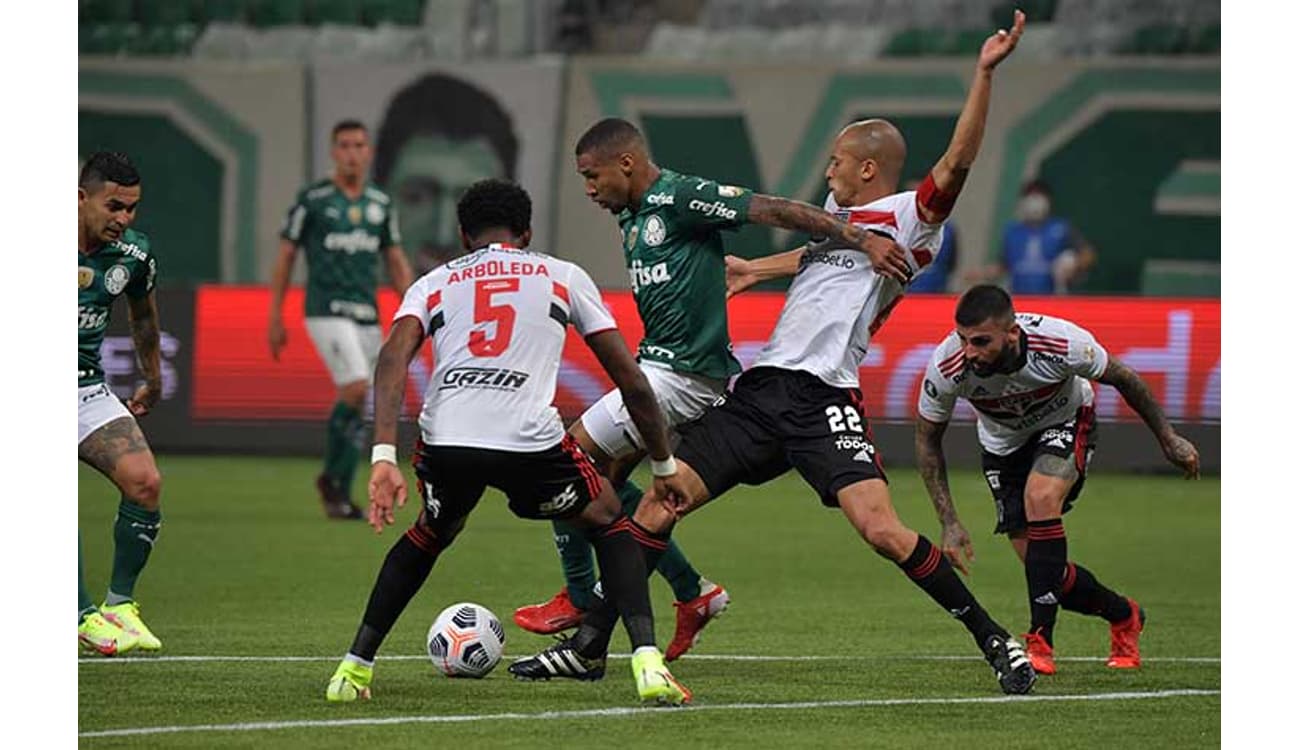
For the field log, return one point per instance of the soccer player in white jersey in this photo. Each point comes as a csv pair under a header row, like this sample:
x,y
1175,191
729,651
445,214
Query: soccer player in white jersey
x,y
1028,378
799,405
497,318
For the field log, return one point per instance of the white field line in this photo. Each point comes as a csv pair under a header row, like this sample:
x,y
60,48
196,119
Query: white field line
x,y
620,712
691,657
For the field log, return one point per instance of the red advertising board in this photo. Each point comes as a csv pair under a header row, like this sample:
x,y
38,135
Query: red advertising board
x,y
1173,343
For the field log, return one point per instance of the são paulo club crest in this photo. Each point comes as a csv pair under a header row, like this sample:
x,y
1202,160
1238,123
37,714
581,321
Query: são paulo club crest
x,y
116,278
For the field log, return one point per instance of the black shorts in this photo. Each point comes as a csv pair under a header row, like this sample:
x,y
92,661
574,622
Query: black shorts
x,y
1074,440
775,419
558,482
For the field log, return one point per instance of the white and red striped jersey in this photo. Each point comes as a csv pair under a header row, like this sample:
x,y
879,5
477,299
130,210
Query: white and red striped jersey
x,y
837,300
1058,360
497,319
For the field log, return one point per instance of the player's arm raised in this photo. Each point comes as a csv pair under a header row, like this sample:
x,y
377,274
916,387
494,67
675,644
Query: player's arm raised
x,y
1179,450
934,471
145,335
275,333
639,398
886,257
387,485
939,190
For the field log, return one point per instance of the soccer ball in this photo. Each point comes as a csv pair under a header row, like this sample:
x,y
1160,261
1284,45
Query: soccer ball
x,y
466,640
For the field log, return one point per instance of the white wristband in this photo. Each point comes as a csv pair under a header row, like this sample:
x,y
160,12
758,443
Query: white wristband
x,y
384,452
664,468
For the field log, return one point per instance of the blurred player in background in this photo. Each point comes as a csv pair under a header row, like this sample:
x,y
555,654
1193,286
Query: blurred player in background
x,y
671,225
799,405
1028,378
112,260
342,223
497,318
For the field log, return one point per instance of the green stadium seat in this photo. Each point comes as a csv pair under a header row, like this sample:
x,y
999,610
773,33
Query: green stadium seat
x,y
107,11
399,12
232,11
277,12
154,41
164,12
966,42
342,12
107,38
1205,41
1157,39
908,43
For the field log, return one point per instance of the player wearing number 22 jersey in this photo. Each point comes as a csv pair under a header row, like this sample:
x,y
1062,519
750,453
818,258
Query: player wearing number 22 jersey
x,y
497,319
799,405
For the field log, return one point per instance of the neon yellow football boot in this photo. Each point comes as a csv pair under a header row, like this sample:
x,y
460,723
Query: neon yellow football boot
x,y
98,634
350,682
127,617
654,682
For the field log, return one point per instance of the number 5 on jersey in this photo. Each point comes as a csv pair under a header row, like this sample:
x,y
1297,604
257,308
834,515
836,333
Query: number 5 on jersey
x,y
486,312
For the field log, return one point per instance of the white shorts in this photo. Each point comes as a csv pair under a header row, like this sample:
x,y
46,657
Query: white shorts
x,y
682,397
96,407
348,348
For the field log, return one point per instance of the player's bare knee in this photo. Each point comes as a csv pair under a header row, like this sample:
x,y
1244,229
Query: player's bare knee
x,y
354,394
144,487
887,537
1042,503
653,516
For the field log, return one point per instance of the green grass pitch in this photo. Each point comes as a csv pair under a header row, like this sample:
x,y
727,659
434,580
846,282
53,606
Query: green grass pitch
x,y
247,566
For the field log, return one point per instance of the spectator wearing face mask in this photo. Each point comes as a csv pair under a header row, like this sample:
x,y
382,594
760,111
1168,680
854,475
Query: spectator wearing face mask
x,y
1041,253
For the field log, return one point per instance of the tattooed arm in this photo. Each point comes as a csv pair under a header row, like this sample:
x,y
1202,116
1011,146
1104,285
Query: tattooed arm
x,y
143,315
887,258
934,470
1179,450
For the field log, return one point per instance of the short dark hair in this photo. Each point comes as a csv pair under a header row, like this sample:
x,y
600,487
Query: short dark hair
x,y
107,166
610,133
494,204
439,104
344,125
983,302
1036,185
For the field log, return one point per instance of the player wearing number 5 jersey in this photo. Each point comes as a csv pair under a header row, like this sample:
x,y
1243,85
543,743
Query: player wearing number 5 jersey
x,y
799,406
1028,378
497,318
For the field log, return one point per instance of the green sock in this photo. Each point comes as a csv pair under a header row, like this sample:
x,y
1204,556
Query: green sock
x,y
673,566
134,533
575,558
341,450
85,605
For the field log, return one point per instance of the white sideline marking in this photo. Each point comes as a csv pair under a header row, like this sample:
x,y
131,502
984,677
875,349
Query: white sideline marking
x,y
619,712
689,657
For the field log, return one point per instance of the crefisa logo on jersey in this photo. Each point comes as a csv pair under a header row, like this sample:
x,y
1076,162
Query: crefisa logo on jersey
x,y
644,276
116,278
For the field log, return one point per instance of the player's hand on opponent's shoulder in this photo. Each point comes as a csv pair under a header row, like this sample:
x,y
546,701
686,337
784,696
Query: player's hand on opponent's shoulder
x,y
740,275
1182,453
956,544
887,257
143,400
277,337
997,47
387,487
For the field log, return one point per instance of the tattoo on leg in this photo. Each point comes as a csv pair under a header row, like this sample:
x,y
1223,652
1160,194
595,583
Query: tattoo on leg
x,y
104,447
1055,466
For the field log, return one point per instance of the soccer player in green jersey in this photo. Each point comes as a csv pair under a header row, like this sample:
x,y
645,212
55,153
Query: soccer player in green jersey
x,y
671,225
341,223
112,260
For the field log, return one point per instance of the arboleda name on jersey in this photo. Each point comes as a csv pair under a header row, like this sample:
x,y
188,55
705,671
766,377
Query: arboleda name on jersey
x,y
499,268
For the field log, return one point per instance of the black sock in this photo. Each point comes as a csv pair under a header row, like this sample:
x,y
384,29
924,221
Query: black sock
x,y
1082,592
592,638
623,572
403,573
1045,558
929,569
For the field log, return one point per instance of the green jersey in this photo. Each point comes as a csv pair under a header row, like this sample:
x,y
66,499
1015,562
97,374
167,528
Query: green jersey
x,y
673,246
341,237
122,266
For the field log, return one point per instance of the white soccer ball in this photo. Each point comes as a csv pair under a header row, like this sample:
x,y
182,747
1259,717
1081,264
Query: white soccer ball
x,y
466,640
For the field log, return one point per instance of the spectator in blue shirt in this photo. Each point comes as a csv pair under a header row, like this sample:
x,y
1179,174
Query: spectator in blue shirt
x,y
1041,253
